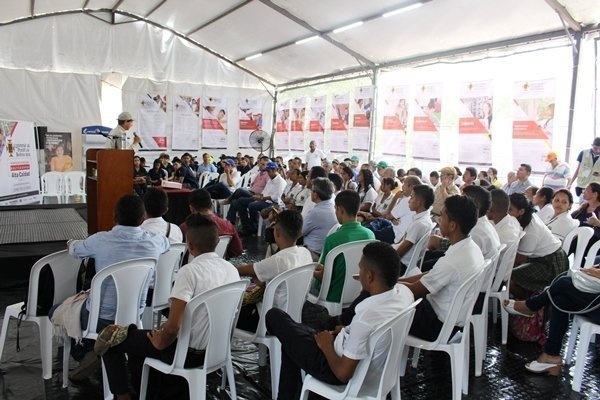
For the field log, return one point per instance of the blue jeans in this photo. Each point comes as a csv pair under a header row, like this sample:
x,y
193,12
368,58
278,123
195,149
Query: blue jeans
x,y
239,206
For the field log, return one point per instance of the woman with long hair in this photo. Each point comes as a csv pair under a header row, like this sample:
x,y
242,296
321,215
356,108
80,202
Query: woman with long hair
x,y
366,189
561,222
347,175
543,201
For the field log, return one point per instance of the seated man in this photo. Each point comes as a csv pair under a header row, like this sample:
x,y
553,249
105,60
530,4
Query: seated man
x,y
156,203
314,173
287,230
227,183
321,219
446,188
242,196
140,176
201,203
462,260
332,357
507,227
126,241
483,233
184,175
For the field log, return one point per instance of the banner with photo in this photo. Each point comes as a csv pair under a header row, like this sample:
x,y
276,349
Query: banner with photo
x,y
282,135
361,119
475,123
152,121
58,152
297,123
214,123
251,119
426,122
533,120
395,120
186,123
316,123
19,172
338,123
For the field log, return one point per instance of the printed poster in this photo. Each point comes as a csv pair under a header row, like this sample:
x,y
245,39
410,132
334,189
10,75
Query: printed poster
x,y
339,118
58,152
251,119
214,123
361,120
426,123
475,123
297,123
152,121
395,120
316,124
282,135
186,123
533,120
19,171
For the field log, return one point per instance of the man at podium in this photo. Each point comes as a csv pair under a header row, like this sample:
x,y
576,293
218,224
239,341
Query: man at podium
x,y
132,141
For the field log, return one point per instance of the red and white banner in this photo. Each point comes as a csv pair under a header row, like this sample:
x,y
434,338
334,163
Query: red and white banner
x,y
214,123
362,109
186,123
395,120
533,122
338,122
426,123
316,123
475,123
251,119
297,124
282,135
152,121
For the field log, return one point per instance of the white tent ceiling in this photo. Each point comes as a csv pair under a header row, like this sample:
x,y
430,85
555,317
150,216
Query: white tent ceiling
x,y
238,29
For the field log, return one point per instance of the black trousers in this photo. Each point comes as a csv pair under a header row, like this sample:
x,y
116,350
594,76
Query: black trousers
x,y
299,351
426,324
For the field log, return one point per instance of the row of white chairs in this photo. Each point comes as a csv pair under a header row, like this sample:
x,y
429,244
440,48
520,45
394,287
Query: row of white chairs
x,y
63,184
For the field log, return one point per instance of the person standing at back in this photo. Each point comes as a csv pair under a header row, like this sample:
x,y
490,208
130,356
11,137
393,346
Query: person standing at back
x,y
314,156
588,169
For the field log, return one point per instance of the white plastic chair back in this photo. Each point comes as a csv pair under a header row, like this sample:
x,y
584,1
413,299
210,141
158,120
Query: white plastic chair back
x,y
352,252
75,183
167,264
587,331
489,274
221,249
246,180
417,255
52,184
506,263
591,255
583,235
206,177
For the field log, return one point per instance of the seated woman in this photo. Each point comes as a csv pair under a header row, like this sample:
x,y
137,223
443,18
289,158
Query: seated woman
x,y
540,257
566,299
366,189
382,203
157,174
543,201
561,222
347,175
589,211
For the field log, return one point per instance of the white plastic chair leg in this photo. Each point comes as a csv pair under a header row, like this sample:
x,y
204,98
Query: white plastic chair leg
x,y
3,333
572,339
585,334
415,357
404,360
45,327
197,387
479,333
231,379
275,361
465,370
144,382
107,393
66,354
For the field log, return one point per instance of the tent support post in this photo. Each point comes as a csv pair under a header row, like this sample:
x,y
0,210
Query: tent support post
x,y
576,56
373,127
273,125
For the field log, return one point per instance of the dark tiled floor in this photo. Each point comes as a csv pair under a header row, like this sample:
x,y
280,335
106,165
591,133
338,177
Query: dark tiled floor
x,y
504,375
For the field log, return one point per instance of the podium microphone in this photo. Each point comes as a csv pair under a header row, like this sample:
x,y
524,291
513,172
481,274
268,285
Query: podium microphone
x,y
141,146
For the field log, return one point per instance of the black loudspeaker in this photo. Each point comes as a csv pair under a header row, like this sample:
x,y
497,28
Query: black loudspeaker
x,y
40,135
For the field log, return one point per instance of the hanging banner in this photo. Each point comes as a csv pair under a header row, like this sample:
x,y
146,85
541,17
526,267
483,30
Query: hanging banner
x,y
316,124
426,123
533,120
361,120
214,123
152,121
58,152
298,117
475,123
395,119
338,140
19,171
186,123
282,136
251,119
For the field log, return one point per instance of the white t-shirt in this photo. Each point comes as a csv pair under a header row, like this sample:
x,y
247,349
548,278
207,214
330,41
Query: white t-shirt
x,y
405,216
381,206
159,226
538,240
283,260
274,188
485,236
301,196
235,176
508,229
562,225
421,225
369,197
546,213
206,272
313,159
461,261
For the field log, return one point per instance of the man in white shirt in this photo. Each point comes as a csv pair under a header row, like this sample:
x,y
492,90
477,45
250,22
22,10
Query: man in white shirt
x,y
315,172
315,156
332,359
287,230
206,272
462,260
156,203
557,174
228,181
125,123
483,233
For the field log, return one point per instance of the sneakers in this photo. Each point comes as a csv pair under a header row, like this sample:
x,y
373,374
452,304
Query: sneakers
x,y
87,366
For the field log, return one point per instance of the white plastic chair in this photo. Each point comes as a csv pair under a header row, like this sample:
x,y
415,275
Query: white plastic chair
x,y
74,184
352,252
583,235
296,281
222,305
591,255
52,185
221,249
480,321
413,267
166,266
457,345
587,329
398,327
501,284
130,277
64,269
206,177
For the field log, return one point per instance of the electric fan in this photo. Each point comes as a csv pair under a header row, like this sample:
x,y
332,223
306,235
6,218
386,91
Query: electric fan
x,y
260,140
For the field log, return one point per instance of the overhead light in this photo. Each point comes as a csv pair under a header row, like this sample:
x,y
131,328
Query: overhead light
x,y
345,28
252,57
403,9
308,39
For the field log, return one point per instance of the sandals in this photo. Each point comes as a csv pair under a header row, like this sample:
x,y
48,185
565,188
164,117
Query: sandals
x,y
543,368
510,308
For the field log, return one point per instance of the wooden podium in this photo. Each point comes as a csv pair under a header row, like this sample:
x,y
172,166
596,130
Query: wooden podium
x,y
109,176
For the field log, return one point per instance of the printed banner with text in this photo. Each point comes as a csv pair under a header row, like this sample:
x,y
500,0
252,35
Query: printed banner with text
x,y
362,108
426,123
395,120
214,123
338,139
298,118
316,124
251,119
282,136
58,152
152,124
475,123
186,123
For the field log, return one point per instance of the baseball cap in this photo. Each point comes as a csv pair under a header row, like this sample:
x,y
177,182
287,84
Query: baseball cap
x,y
229,161
551,156
271,165
448,171
382,164
596,142
354,158
125,116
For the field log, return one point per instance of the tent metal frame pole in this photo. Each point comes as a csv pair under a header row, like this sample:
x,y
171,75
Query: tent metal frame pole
x,y
576,56
273,125
596,45
374,108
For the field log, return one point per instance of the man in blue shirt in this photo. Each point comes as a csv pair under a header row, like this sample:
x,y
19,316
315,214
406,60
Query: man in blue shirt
x,y
321,218
206,165
522,182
